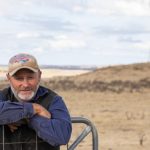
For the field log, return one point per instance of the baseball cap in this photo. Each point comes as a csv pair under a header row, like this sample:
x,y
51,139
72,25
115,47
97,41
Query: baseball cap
x,y
21,61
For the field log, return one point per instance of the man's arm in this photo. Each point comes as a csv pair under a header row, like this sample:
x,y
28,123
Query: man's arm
x,y
11,112
57,129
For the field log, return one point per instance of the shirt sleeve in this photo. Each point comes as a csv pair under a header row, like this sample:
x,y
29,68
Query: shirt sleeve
x,y
57,130
11,112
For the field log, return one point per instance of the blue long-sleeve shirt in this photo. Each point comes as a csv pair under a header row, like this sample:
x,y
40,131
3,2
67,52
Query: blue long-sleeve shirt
x,y
55,131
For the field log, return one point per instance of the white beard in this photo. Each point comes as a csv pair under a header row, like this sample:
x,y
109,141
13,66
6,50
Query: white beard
x,y
22,97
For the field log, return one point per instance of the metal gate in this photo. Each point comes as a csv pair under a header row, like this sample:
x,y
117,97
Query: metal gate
x,y
89,128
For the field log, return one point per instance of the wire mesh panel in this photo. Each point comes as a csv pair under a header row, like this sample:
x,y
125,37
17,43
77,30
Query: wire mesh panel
x,y
16,140
22,140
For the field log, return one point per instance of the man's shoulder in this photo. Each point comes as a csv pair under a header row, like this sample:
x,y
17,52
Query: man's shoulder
x,y
47,91
4,92
45,96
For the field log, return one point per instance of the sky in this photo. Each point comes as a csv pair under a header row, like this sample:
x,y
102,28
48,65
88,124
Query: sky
x,y
76,32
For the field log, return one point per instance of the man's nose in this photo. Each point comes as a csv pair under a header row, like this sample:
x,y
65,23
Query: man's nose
x,y
25,82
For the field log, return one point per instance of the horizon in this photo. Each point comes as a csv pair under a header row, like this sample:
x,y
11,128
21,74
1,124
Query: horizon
x,y
84,67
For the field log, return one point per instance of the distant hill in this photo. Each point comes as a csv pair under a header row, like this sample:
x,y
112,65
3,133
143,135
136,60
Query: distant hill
x,y
133,77
132,72
129,78
69,67
66,67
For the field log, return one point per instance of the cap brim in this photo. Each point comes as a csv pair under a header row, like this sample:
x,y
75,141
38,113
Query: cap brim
x,y
23,67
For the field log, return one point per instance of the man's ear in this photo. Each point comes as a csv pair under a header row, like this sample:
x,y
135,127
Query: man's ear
x,y
8,76
39,74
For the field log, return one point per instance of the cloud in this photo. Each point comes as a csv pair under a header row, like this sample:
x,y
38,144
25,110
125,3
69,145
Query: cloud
x,y
66,42
134,7
145,45
123,26
119,7
129,39
27,35
38,50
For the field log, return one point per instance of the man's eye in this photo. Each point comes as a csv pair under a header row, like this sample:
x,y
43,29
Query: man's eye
x,y
18,78
30,78
22,78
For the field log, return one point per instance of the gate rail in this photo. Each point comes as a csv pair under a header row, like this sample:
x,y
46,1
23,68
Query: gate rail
x,y
89,128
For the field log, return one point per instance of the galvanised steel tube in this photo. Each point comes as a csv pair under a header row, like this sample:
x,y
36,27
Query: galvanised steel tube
x,y
93,129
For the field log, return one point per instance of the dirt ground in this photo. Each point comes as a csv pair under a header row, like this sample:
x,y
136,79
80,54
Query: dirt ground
x,y
122,120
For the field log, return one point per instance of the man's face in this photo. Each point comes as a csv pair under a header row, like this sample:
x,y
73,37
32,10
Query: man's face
x,y
24,84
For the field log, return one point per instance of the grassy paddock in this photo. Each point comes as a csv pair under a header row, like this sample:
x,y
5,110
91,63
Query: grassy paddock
x,y
122,119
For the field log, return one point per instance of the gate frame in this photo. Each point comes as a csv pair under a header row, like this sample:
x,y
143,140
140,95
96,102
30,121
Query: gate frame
x,y
89,128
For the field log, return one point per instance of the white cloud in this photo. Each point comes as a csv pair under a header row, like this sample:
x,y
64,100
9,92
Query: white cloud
x,y
66,42
142,45
119,7
133,8
27,2
27,35
77,8
38,50
101,8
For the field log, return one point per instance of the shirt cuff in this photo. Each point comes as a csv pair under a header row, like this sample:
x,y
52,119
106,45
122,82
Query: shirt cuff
x,y
28,110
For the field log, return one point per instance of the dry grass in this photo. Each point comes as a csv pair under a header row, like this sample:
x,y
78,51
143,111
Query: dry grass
x,y
122,120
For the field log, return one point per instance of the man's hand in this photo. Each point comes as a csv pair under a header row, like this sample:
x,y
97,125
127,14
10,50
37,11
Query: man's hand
x,y
13,126
40,110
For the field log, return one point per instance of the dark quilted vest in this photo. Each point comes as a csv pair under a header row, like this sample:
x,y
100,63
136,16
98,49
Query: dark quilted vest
x,y
24,138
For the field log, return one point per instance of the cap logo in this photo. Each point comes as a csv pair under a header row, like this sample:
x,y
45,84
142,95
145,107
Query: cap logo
x,y
22,59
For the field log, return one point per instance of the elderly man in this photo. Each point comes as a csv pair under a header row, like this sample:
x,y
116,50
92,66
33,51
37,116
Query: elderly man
x,y
31,116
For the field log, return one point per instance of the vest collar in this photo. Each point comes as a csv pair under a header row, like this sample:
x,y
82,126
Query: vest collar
x,y
40,92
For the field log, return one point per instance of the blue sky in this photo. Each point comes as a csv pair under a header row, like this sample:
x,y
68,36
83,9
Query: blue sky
x,y
76,32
